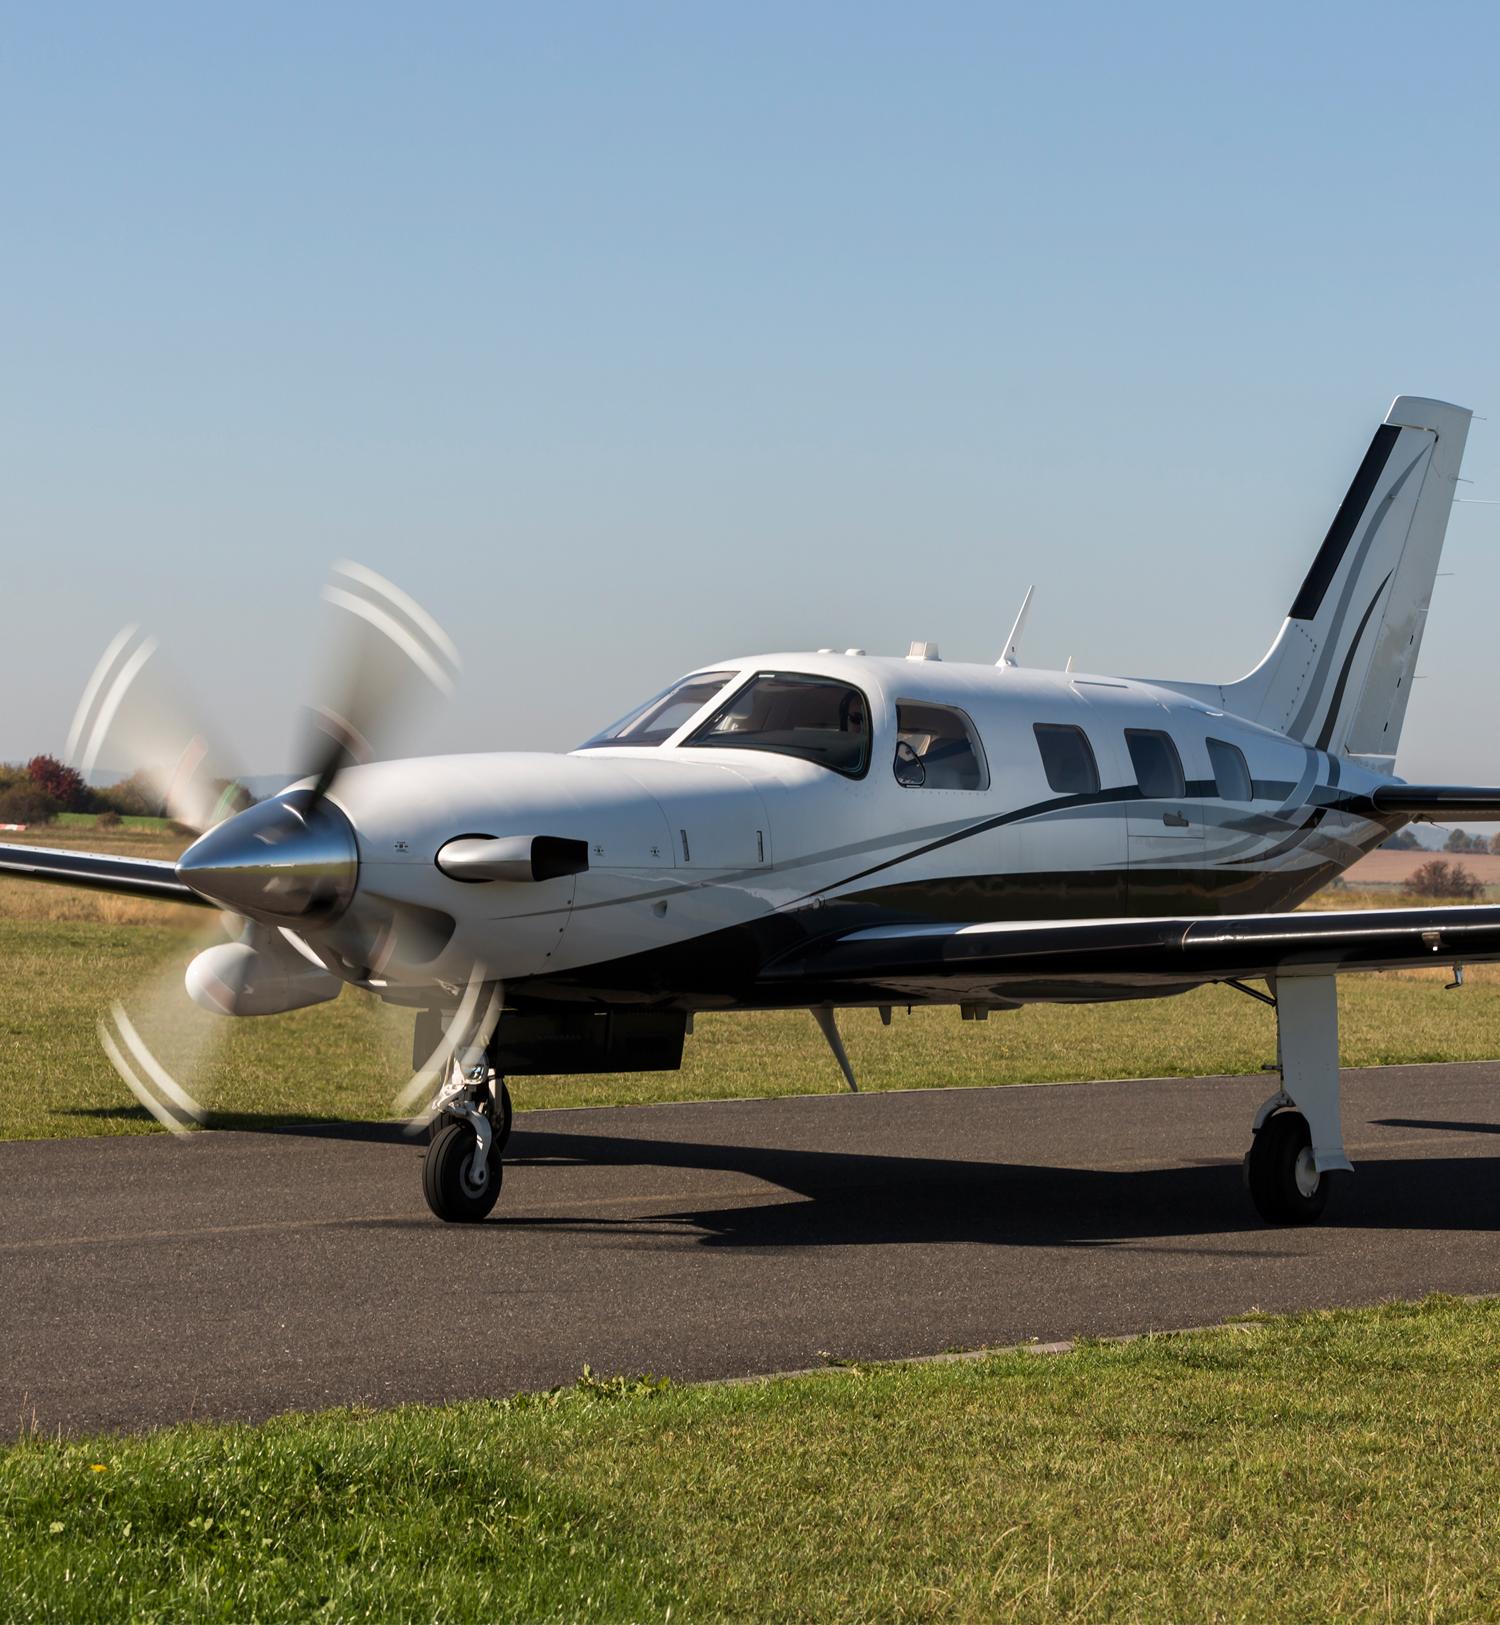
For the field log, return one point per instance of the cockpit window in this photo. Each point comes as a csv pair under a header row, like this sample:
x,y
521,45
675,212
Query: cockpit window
x,y
937,749
660,717
816,718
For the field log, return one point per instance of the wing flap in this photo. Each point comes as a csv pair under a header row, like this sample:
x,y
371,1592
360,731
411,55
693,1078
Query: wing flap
x,y
98,871
1097,958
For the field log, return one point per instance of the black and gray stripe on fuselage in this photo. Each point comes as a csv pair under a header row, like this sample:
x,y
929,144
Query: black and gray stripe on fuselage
x,y
1312,836
1266,858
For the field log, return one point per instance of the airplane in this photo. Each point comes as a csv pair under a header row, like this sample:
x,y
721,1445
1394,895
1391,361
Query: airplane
x,y
828,830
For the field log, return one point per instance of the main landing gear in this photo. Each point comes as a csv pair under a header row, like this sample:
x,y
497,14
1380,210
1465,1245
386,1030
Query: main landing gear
x,y
462,1172
1299,1144
1281,1172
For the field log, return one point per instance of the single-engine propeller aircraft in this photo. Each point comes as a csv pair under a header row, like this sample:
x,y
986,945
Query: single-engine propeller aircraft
x,y
825,830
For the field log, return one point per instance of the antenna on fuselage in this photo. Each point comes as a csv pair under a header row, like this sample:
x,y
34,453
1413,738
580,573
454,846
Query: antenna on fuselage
x,y
1009,657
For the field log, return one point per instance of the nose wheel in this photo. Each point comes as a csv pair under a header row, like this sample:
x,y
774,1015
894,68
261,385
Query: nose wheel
x,y
462,1171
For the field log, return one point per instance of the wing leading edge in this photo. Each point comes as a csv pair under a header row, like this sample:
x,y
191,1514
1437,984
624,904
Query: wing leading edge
x,y
98,871
1114,957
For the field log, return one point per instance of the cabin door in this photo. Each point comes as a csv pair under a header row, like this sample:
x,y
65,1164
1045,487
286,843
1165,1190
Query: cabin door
x,y
1164,828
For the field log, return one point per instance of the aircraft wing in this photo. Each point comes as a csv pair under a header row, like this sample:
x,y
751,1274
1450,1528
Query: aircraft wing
x,y
1001,961
100,871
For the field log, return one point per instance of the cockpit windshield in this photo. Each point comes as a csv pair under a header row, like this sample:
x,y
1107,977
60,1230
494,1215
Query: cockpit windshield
x,y
817,718
661,716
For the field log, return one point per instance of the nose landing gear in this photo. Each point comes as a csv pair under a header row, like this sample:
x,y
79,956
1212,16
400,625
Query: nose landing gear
x,y
462,1172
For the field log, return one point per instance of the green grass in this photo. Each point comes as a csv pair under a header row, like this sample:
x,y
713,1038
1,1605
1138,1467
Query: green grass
x,y
1339,1465
69,820
346,1059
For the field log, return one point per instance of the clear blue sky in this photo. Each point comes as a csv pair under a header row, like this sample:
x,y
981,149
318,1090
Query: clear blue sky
x,y
631,336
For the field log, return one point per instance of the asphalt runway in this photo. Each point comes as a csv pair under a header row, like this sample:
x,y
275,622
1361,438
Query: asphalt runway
x,y
236,1275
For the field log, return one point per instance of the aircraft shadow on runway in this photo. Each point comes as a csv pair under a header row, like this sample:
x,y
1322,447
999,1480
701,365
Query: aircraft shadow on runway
x,y
845,1198
861,1200
332,1128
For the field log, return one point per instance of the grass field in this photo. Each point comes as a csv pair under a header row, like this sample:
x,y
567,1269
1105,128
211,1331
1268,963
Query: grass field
x,y
69,954
90,821
1330,1466
346,1059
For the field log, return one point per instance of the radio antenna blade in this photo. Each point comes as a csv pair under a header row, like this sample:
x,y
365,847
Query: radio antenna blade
x,y
1009,657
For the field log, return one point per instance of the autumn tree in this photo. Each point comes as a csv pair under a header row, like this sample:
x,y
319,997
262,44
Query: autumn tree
x,y
59,781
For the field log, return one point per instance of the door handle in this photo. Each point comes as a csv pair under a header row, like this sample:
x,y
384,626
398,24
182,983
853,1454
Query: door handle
x,y
1175,819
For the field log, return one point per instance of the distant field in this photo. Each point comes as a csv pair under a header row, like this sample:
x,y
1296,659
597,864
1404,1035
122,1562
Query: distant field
x,y
1386,868
1325,1466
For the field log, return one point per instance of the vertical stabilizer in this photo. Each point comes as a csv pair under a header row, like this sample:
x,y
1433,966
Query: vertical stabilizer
x,y
1339,673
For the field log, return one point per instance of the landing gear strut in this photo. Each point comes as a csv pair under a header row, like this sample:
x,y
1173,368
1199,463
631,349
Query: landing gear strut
x,y
462,1172
1299,1143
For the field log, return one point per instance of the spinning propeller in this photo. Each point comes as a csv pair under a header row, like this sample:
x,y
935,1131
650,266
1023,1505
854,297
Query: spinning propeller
x,y
285,872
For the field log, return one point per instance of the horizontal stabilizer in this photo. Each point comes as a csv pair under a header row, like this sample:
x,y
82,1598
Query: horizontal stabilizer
x,y
1479,802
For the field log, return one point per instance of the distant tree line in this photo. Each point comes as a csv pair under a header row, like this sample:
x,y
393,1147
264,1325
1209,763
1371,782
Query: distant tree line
x,y
1458,841
35,792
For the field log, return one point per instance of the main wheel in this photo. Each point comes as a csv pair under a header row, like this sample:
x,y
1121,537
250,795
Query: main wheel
x,y
1283,1180
448,1180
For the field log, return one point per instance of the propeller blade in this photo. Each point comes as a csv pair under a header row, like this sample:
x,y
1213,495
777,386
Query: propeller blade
x,y
133,716
165,1024
389,654
146,1078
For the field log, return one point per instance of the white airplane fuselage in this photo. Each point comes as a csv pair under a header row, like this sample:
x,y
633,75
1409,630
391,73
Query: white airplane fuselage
x,y
703,862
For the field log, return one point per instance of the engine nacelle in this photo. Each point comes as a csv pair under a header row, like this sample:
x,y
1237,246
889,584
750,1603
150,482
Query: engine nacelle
x,y
260,976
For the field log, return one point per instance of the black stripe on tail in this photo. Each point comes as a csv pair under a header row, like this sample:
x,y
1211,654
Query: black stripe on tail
x,y
1310,597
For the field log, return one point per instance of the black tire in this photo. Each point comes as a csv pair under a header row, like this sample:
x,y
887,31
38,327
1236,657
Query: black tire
x,y
446,1176
500,1119
1279,1174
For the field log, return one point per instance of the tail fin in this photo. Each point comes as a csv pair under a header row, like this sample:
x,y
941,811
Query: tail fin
x,y
1339,673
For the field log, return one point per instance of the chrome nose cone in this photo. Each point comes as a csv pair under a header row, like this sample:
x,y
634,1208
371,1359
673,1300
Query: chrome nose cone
x,y
289,859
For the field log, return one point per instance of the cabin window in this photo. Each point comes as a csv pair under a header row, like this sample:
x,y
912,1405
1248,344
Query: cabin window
x,y
661,716
1067,758
1158,767
1231,774
937,749
817,718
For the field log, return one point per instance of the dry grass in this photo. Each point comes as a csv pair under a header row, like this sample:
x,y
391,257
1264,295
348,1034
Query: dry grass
x,y
28,900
